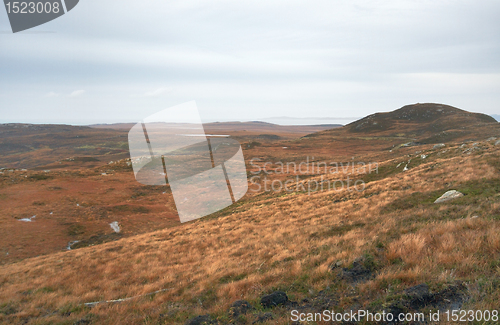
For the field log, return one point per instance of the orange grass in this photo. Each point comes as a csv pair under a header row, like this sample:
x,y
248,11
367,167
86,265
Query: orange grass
x,y
271,242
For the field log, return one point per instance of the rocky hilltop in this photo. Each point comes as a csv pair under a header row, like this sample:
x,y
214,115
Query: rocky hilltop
x,y
419,118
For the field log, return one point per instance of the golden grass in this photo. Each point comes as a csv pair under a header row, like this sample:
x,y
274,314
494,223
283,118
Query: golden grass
x,y
275,242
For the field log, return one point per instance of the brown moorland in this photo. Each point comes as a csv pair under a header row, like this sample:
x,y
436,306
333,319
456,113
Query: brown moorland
x,y
78,180
308,245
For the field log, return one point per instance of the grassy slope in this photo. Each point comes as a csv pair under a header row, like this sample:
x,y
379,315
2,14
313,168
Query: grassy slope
x,y
287,242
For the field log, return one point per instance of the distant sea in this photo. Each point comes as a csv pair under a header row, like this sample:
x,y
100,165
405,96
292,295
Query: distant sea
x,y
284,120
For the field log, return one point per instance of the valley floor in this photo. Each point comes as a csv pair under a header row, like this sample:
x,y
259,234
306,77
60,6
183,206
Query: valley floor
x,y
338,250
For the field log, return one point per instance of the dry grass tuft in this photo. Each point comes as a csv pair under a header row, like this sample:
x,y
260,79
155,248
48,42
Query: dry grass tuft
x,y
285,242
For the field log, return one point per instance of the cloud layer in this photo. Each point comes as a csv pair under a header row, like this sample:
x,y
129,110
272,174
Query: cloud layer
x,y
251,59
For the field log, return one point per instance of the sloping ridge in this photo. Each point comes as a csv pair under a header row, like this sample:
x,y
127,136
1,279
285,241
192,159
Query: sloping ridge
x,y
419,119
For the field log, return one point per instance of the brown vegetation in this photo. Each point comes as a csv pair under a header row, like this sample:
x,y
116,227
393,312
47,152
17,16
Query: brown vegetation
x,y
276,241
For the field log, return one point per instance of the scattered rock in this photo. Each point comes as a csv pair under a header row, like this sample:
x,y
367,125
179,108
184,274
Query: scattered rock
x,y
200,320
324,300
439,145
406,168
27,219
450,195
497,143
474,217
451,298
239,307
471,149
335,265
263,317
357,273
491,139
420,297
114,225
274,299
96,240
71,243
418,291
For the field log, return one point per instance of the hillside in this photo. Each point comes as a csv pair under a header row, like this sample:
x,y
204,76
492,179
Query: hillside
x,y
383,247
380,134
77,180
418,120
301,244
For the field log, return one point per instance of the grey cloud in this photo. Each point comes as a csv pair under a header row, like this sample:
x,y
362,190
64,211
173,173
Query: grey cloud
x,y
244,59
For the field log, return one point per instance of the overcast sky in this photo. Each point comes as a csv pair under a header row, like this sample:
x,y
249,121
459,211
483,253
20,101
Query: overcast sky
x,y
120,61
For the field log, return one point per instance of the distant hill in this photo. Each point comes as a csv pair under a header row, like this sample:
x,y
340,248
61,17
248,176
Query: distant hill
x,y
34,145
253,126
48,146
286,120
320,236
496,117
243,131
51,146
416,124
419,118
427,123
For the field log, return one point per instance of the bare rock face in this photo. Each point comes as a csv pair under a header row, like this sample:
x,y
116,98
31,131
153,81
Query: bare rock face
x,y
420,297
274,299
200,320
263,317
359,272
239,307
450,195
